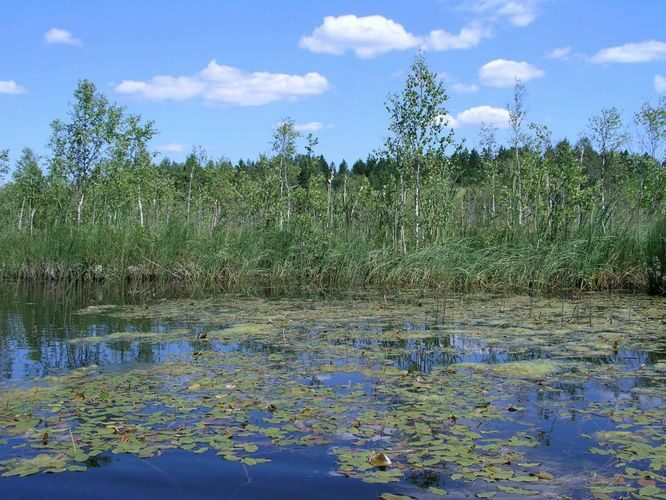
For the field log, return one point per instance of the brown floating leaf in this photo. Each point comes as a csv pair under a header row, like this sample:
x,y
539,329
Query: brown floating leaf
x,y
380,460
45,438
202,335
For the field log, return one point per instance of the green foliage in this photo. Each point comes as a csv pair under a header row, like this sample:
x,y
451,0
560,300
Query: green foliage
x,y
98,137
531,215
655,255
417,142
651,121
4,162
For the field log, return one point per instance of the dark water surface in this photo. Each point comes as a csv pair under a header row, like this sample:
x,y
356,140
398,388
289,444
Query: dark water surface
x,y
173,396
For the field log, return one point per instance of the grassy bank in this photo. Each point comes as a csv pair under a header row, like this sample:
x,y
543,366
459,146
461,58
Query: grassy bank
x,y
237,258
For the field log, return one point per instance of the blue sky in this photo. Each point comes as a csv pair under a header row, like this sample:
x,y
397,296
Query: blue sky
x,y
222,74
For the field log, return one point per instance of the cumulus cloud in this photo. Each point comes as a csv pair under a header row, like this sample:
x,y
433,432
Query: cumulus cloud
x,y
225,85
562,53
11,87
366,36
173,147
648,51
504,73
468,37
370,36
57,35
309,127
518,13
660,84
499,117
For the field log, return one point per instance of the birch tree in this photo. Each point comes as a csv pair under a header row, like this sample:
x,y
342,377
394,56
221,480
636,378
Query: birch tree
x,y
607,134
417,130
96,132
284,148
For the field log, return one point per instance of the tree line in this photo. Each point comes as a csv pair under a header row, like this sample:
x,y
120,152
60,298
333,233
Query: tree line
x,y
420,188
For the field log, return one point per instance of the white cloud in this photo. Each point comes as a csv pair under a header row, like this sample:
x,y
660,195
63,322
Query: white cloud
x,y
11,87
648,51
465,88
370,36
161,88
469,36
519,13
173,147
226,85
458,87
57,35
366,36
660,84
562,53
309,127
504,73
499,117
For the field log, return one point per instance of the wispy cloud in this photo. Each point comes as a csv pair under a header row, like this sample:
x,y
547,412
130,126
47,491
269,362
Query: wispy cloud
x,y
61,36
518,13
11,87
225,85
642,52
173,147
504,73
456,86
562,53
465,88
660,84
309,127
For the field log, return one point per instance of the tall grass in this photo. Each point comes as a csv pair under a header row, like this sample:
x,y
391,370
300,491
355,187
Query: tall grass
x,y
238,258
655,257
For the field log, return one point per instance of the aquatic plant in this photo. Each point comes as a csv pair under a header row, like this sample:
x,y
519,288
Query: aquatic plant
x,y
353,377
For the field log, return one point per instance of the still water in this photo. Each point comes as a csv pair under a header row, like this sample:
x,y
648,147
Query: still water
x,y
145,393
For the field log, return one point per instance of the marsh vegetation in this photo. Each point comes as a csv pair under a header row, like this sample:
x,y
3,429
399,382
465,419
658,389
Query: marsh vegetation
x,y
411,395
422,210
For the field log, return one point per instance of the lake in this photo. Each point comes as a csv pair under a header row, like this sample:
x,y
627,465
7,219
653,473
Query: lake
x,y
146,393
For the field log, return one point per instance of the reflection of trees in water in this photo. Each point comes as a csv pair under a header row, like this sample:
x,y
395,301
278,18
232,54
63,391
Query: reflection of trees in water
x,y
425,354
37,324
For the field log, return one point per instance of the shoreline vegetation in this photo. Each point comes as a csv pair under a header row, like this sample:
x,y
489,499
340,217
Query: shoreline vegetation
x,y
424,211
241,258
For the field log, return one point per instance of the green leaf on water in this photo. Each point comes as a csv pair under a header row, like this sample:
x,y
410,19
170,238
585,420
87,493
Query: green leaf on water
x,y
516,491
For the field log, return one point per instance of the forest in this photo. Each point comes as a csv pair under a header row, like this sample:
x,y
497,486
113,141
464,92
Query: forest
x,y
423,210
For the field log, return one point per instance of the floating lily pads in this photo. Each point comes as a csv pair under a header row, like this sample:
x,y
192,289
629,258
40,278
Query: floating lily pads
x,y
471,394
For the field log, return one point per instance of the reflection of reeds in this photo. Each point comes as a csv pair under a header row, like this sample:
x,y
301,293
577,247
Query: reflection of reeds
x,y
243,258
